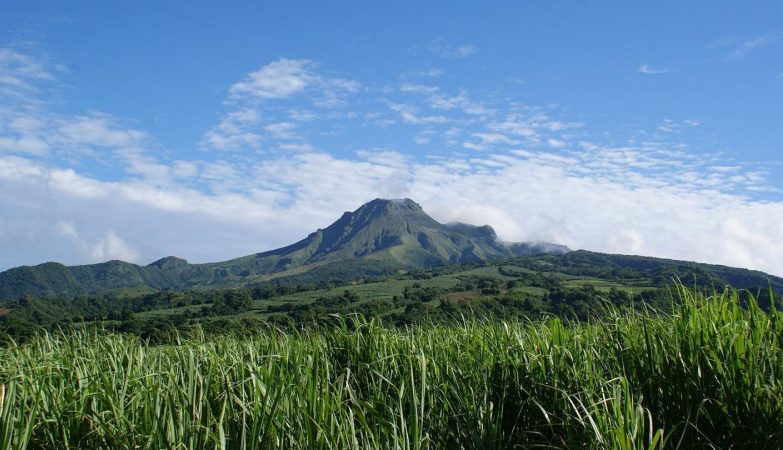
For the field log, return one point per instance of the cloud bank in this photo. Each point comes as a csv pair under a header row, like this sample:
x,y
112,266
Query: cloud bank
x,y
267,175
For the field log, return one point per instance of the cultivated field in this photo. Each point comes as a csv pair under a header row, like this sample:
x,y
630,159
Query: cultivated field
x,y
706,376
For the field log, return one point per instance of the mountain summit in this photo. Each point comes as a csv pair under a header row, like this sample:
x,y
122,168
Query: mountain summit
x,y
384,235
381,236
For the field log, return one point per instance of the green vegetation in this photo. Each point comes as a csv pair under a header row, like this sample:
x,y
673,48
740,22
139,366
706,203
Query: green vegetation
x,y
705,375
445,294
389,330
512,289
376,241
379,238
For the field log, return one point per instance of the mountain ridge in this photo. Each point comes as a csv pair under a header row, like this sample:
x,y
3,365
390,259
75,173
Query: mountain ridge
x,y
380,235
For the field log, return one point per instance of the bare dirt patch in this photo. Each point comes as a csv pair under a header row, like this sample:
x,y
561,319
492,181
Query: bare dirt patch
x,y
4,311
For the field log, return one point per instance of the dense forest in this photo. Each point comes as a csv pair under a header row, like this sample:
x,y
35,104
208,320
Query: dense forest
x,y
512,290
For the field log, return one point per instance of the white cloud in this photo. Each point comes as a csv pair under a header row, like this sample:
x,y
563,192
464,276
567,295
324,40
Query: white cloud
x,y
295,147
110,247
424,137
281,130
231,141
29,128
440,47
98,130
24,144
431,73
649,70
517,127
597,200
487,140
463,51
438,100
675,126
184,169
301,115
219,171
409,114
418,88
286,77
152,221
556,143
66,229
278,79
231,133
736,48
251,120
539,177
19,73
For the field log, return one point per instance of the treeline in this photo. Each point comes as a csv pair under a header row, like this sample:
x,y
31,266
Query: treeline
x,y
491,298
19,318
25,315
656,271
229,310
254,308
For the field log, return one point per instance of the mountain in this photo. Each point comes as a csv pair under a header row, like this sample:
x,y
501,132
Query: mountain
x,y
658,271
379,237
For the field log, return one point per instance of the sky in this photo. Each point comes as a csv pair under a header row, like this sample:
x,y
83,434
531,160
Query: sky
x,y
212,130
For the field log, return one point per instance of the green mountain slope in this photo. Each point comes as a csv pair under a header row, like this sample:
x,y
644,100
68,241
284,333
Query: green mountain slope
x,y
658,270
380,236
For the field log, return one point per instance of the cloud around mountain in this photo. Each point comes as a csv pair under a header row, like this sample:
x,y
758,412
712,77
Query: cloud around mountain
x,y
86,187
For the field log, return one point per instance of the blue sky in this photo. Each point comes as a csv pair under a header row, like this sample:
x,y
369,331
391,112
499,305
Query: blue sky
x,y
213,130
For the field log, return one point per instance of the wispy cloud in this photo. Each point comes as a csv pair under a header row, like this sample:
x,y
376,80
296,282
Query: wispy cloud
x,y
437,99
675,126
736,48
539,176
20,73
286,77
251,120
30,129
278,79
649,70
282,130
431,73
233,131
439,47
620,202
483,141
410,114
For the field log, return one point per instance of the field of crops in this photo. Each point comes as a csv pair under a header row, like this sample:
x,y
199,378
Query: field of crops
x,y
379,290
707,376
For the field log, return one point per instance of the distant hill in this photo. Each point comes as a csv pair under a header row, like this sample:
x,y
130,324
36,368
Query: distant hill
x,y
379,237
658,271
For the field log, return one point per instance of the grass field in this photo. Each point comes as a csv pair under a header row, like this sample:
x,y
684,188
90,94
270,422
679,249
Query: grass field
x,y
387,289
631,287
382,290
706,376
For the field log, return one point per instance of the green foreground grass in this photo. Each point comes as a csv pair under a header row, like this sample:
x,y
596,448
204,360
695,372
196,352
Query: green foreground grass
x,y
706,376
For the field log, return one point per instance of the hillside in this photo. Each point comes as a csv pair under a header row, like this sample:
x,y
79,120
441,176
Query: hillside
x,y
379,237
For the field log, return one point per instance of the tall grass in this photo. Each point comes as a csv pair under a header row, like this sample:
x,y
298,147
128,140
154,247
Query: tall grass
x,y
706,376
